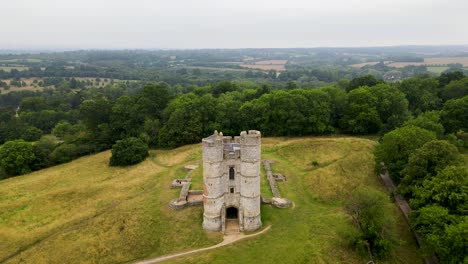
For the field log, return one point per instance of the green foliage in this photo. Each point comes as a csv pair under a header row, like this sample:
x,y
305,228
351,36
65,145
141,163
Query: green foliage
x,y
397,145
31,134
69,151
371,109
431,220
421,94
125,119
65,130
95,112
454,245
426,162
445,234
447,77
189,119
428,120
449,189
454,115
361,116
128,151
367,80
16,157
153,99
42,149
371,213
455,89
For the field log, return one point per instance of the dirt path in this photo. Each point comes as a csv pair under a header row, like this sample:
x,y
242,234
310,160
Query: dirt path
x,y
228,239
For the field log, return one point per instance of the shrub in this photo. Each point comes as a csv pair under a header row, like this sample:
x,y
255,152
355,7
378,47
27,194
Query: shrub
x,y
16,157
128,151
67,152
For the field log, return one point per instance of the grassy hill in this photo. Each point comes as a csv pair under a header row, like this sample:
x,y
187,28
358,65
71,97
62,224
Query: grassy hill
x,y
88,212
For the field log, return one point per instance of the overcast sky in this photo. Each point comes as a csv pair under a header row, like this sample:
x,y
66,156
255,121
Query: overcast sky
x,y
155,24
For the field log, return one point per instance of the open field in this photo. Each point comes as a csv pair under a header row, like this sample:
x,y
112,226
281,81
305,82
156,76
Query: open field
x,y
277,65
436,62
30,86
88,212
9,68
437,69
20,60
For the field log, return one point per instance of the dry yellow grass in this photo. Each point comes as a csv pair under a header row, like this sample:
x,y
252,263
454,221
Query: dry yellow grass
x,y
88,212
264,67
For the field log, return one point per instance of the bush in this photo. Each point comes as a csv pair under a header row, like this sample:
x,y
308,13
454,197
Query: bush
x,y
372,216
16,157
31,134
68,152
128,151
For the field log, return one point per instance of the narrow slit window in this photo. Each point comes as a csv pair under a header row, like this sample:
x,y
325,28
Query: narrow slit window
x,y
231,190
231,173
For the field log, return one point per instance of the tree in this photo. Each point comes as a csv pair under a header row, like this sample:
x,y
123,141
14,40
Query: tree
x,y
42,149
421,94
428,120
454,245
128,151
454,115
153,99
367,80
430,219
338,103
126,119
426,162
17,157
397,145
391,106
95,112
447,77
455,89
361,116
31,134
449,188
371,214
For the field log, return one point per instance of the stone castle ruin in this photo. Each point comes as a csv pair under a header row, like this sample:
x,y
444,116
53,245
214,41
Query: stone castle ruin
x,y
231,176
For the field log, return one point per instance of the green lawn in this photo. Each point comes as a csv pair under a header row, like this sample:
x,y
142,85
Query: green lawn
x,y
88,212
437,69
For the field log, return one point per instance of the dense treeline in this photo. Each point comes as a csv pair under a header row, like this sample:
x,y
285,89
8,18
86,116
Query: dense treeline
x,y
89,120
423,158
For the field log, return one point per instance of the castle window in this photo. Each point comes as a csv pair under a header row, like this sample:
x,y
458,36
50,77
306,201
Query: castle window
x,y
231,190
231,173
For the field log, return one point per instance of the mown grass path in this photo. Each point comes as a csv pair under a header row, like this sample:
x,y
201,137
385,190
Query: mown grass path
x,y
227,239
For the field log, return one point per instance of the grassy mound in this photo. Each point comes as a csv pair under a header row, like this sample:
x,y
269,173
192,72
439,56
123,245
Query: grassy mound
x,y
88,212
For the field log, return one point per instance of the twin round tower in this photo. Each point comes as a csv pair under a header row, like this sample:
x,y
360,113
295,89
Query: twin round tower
x,y
231,175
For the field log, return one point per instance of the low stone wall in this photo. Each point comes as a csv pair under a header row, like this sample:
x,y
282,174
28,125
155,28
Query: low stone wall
x,y
277,201
271,179
186,196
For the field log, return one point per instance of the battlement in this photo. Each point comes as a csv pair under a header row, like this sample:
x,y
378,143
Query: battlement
x,y
230,147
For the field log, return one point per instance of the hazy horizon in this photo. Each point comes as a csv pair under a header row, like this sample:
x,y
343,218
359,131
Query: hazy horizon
x,y
210,24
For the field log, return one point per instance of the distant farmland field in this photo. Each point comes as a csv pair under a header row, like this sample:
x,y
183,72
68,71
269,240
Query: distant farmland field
x,y
9,68
427,61
277,65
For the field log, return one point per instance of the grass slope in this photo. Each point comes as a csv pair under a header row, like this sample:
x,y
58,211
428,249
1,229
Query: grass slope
x,y
88,212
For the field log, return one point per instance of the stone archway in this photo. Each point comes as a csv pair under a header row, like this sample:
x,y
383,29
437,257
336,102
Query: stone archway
x,y
232,220
232,213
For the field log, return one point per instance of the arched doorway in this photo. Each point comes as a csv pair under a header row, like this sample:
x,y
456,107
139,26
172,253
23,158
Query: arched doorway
x,y
232,220
232,213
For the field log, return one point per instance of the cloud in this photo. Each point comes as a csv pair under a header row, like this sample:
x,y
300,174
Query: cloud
x,y
229,24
